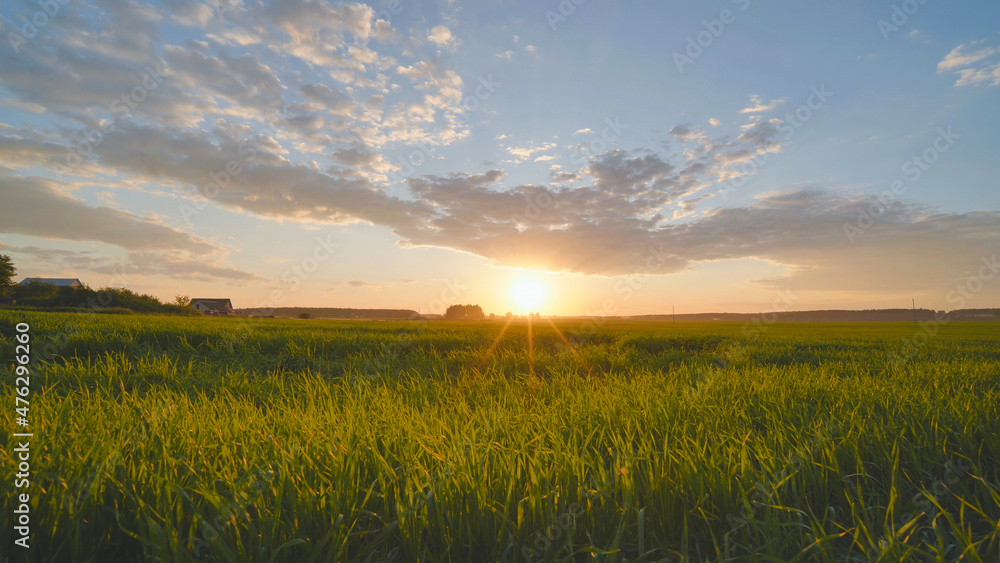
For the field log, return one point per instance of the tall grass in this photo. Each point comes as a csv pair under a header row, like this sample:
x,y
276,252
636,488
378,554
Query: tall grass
x,y
165,439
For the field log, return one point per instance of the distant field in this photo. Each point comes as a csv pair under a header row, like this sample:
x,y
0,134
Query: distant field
x,y
160,438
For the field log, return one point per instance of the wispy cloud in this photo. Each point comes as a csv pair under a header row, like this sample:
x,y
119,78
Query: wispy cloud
x,y
758,106
976,64
526,152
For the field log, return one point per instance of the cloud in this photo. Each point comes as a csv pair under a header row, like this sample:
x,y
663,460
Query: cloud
x,y
179,266
269,183
684,132
361,283
613,230
441,36
56,259
524,153
628,192
307,103
331,100
565,177
38,207
370,163
760,107
91,64
190,13
25,105
975,63
688,206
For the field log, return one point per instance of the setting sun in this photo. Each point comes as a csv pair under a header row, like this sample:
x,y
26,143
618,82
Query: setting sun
x,y
527,295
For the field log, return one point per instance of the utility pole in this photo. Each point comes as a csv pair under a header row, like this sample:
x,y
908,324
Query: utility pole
x,y
914,310
673,309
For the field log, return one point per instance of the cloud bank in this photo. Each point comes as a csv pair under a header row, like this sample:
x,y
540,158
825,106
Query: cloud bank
x,y
298,105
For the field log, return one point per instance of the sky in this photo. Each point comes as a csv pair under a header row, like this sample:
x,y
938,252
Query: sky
x,y
620,158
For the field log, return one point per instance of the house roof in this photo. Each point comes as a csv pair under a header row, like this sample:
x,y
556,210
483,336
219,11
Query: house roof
x,y
61,282
214,304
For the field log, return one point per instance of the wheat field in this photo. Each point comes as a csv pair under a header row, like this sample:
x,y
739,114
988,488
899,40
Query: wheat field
x,y
158,438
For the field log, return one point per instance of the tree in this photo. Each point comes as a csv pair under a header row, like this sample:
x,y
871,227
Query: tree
x,y
7,271
474,313
37,294
182,300
464,313
305,316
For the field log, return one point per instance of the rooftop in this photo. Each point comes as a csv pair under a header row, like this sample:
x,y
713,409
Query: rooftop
x,y
61,282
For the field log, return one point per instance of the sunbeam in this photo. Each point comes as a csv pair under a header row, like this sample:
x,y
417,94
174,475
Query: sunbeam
x,y
568,344
496,341
531,349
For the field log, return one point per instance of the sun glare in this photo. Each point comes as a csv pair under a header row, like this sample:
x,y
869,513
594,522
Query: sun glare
x,y
527,295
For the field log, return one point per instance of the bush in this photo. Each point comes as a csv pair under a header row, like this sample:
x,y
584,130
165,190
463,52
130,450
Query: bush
x,y
464,313
46,296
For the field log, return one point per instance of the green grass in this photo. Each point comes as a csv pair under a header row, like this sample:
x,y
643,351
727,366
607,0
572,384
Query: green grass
x,y
178,439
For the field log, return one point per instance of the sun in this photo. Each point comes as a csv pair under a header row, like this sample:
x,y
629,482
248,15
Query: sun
x,y
527,294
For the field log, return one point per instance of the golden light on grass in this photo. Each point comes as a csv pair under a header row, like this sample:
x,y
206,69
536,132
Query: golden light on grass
x,y
527,294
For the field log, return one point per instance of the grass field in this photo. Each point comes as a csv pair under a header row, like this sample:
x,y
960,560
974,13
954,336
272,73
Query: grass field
x,y
159,438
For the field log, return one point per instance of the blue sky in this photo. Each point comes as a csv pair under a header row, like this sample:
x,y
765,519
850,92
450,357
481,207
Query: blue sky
x,y
382,155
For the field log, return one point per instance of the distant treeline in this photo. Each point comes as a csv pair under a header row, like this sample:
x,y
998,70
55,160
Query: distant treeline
x,y
332,313
39,295
839,316
464,313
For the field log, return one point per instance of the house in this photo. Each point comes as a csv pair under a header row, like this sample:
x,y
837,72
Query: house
x,y
214,306
58,282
